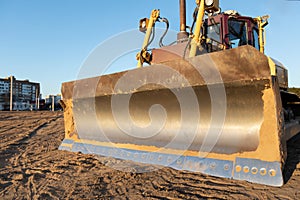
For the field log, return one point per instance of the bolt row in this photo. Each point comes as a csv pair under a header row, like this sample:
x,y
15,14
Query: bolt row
x,y
255,170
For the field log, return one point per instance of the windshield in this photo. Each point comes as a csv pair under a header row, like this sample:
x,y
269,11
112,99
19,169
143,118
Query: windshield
x,y
237,33
213,32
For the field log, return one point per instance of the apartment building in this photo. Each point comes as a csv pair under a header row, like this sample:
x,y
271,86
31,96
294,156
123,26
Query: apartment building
x,y
24,93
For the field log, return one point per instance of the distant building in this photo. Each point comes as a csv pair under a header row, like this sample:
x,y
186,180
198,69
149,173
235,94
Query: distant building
x,y
49,104
24,93
49,98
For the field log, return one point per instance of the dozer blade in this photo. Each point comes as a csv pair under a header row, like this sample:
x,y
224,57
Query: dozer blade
x,y
218,114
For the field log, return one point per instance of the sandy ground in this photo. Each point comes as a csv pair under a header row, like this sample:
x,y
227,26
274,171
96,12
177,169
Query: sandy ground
x,y
31,167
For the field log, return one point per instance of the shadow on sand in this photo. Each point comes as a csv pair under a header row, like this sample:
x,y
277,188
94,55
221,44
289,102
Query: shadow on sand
x,y
293,157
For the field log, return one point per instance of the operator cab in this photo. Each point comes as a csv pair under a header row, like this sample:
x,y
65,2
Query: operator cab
x,y
220,32
230,30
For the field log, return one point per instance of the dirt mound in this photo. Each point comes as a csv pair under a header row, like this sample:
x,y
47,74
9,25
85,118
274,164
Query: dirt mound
x,y
31,167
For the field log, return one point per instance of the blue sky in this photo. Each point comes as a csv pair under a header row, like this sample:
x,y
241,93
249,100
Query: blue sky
x,y
48,40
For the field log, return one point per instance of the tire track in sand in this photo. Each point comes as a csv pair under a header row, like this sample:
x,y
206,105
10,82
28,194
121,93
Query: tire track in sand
x,y
21,152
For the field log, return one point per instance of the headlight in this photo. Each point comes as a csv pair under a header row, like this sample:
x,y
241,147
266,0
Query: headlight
x,y
211,5
209,2
144,25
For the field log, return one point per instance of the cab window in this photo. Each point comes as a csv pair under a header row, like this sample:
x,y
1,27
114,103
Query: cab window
x,y
255,38
213,32
214,37
237,33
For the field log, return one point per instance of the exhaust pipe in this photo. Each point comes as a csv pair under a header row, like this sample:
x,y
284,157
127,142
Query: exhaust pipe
x,y
182,35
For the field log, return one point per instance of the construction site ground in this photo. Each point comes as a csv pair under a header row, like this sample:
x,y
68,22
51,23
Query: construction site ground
x,y
32,167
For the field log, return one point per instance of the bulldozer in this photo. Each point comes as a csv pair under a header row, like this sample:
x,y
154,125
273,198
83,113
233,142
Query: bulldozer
x,y
211,103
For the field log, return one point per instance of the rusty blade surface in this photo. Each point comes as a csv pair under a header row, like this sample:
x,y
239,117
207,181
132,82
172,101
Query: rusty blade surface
x,y
241,64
